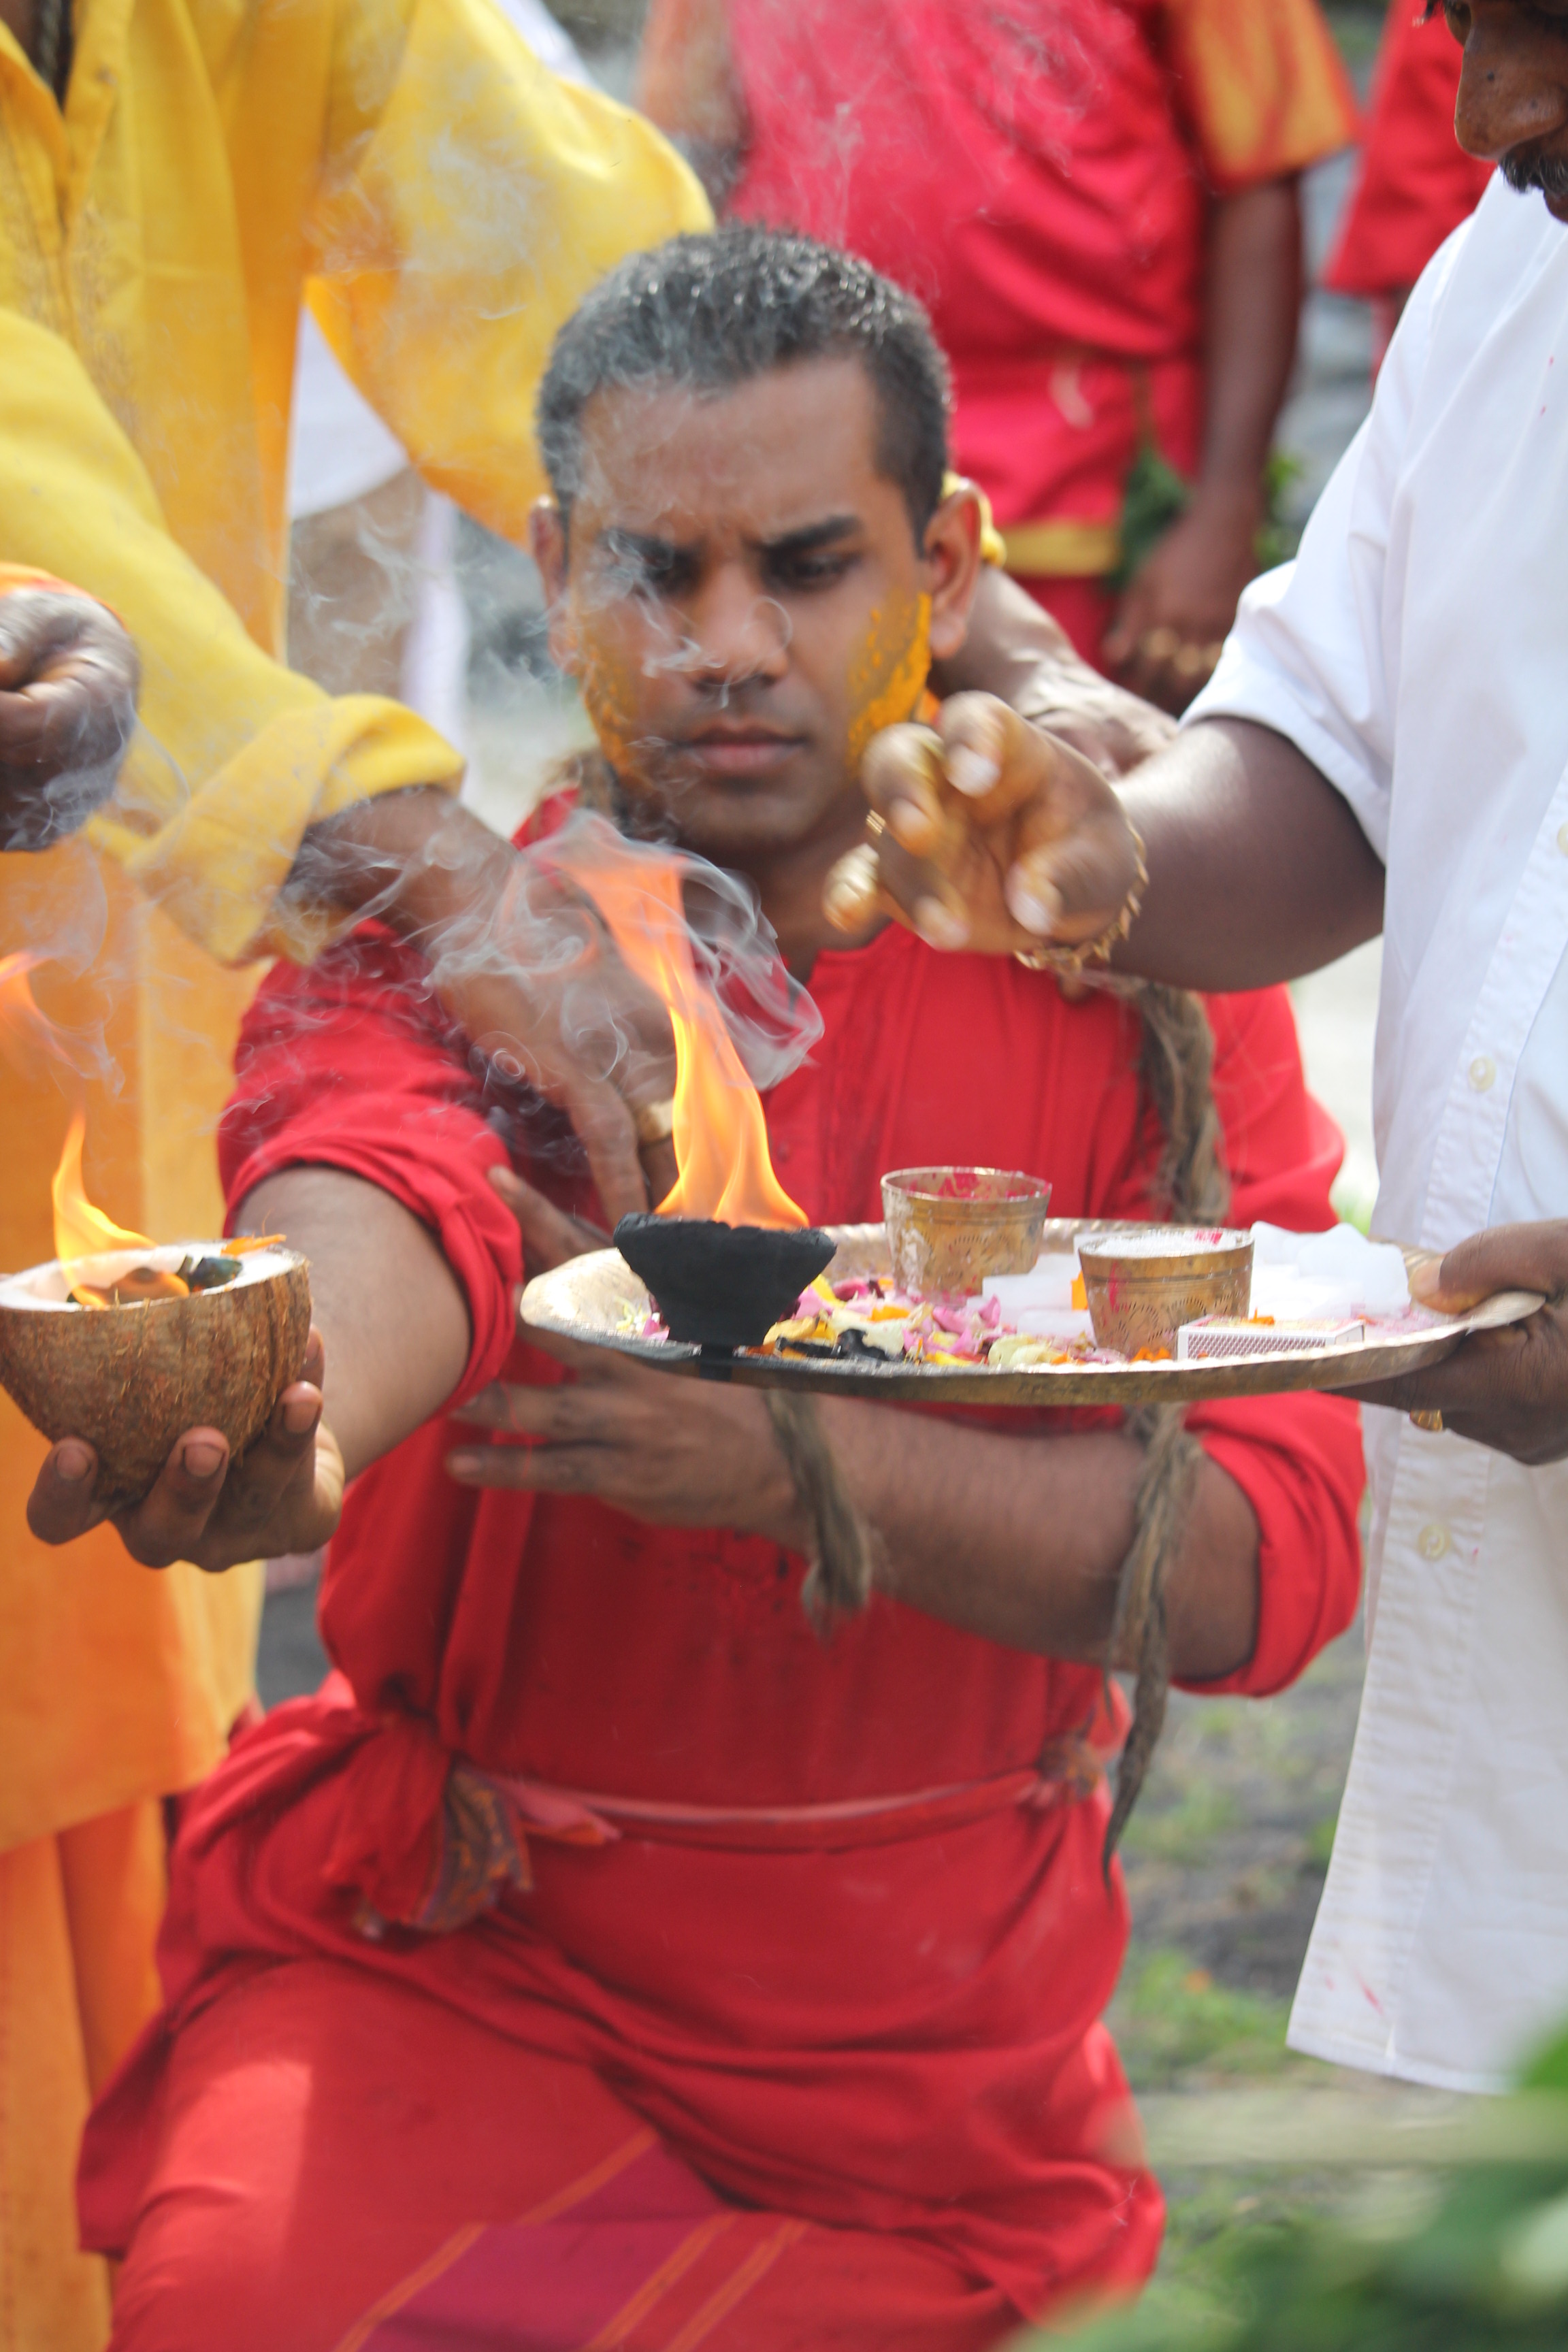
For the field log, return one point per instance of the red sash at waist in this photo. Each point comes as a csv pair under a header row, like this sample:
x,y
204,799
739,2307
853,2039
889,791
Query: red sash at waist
x,y
1069,1769
429,1840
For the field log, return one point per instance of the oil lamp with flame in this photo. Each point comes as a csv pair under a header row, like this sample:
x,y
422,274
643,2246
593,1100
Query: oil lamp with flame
x,y
727,1253
126,1342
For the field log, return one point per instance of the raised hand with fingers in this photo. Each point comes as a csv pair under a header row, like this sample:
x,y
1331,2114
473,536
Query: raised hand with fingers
x,y
284,1495
988,833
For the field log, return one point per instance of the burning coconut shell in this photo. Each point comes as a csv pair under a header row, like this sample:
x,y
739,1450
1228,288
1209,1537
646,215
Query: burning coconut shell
x,y
722,1286
129,1377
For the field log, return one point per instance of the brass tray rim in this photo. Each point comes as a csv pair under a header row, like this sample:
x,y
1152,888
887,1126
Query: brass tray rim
x,y
553,1302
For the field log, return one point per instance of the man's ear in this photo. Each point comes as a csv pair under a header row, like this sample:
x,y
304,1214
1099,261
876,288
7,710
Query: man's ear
x,y
953,567
547,543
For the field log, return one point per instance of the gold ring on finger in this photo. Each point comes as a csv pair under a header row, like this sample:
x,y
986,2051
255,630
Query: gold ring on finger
x,y
1432,1421
876,824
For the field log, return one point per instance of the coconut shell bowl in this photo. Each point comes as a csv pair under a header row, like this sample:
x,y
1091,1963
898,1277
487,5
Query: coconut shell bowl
x,y
130,1376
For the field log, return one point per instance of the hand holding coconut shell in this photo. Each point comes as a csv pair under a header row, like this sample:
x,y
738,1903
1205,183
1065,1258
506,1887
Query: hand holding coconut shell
x,y
283,1493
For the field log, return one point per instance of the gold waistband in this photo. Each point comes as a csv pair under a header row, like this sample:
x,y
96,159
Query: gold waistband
x,y
1063,549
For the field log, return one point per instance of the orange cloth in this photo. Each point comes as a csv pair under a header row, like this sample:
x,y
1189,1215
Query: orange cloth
x,y
1417,182
1263,87
23,575
77,1915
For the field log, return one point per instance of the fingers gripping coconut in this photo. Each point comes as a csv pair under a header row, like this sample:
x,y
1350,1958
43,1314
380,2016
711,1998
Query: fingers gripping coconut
x,y
182,1389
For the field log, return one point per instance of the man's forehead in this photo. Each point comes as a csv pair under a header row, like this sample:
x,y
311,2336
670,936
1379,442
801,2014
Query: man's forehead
x,y
764,459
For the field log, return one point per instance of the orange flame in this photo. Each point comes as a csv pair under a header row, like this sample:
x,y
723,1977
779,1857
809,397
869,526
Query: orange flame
x,y
719,1135
80,1230
27,1037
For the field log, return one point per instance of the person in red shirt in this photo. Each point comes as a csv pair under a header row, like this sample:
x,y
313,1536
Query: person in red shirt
x,y
1097,202
1416,183
600,1956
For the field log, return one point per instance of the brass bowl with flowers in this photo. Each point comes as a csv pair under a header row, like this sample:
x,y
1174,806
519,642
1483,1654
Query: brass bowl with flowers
x,y
948,1228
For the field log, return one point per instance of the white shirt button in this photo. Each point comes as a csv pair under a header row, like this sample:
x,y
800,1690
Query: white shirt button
x,y
1562,839
1432,1540
1482,1072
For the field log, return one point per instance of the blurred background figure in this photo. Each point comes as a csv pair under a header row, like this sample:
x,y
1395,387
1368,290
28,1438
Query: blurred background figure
x,y
1097,202
374,601
1416,183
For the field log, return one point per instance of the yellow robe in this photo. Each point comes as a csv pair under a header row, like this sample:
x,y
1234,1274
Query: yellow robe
x,y
447,202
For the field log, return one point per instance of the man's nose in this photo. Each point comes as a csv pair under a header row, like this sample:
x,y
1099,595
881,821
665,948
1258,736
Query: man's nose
x,y
733,632
1513,87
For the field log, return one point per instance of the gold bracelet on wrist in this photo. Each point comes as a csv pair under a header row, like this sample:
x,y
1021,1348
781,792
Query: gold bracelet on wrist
x,y
1071,960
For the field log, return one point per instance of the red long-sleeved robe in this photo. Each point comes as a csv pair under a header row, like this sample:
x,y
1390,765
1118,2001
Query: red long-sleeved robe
x,y
768,2085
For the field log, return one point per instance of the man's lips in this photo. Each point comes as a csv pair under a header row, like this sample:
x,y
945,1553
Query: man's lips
x,y
741,750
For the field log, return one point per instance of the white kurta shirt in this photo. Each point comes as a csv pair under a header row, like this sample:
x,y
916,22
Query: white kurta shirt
x,y
1418,652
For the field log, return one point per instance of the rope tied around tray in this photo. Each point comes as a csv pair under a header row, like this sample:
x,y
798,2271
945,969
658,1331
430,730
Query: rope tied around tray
x,y
1175,1069
842,1548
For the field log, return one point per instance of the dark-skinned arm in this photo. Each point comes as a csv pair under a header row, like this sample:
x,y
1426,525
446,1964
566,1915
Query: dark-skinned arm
x,y
1257,870
1017,1538
1015,651
389,1340
471,904
1020,1539
1184,597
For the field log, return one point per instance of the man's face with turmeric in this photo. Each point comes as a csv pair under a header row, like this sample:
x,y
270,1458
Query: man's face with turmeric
x,y
744,602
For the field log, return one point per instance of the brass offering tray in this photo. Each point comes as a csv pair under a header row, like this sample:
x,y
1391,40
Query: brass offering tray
x,y
592,1298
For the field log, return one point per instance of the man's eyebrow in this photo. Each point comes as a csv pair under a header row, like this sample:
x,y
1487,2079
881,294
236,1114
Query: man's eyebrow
x,y
621,541
812,535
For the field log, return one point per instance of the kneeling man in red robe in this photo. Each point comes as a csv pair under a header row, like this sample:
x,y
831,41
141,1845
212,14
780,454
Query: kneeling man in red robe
x,y
601,1958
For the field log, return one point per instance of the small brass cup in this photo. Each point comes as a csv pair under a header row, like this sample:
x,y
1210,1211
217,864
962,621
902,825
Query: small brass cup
x,y
1142,1289
948,1228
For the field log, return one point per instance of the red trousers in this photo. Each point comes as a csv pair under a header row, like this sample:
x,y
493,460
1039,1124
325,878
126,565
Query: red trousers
x,y
342,2161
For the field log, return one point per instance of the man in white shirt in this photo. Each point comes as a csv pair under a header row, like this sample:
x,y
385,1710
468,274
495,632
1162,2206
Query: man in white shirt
x,y
1385,745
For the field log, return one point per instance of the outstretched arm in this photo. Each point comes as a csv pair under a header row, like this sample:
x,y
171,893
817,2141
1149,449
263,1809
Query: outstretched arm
x,y
1181,602
388,1344
1017,1538
1257,870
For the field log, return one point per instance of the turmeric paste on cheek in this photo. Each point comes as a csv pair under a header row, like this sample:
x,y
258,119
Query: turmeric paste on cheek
x,y
610,702
887,673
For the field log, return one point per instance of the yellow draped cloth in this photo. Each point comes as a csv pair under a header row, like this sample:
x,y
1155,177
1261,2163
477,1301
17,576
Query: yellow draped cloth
x,y
445,203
